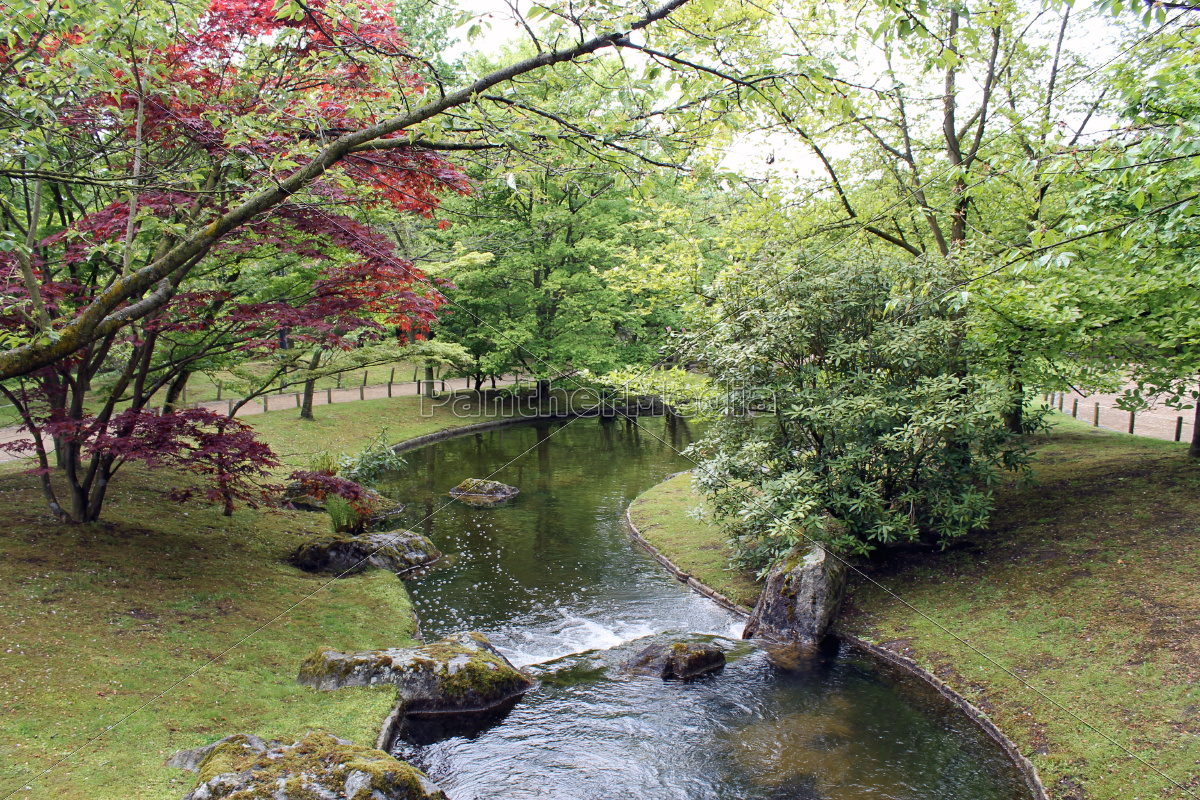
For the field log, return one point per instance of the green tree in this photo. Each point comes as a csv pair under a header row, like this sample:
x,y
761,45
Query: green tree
x,y
861,416
1136,279
532,291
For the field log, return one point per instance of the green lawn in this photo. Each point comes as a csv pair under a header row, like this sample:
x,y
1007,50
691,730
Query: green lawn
x,y
188,621
202,387
661,515
347,427
1075,620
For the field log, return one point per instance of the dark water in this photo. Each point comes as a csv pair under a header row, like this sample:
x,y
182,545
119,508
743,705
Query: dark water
x,y
552,579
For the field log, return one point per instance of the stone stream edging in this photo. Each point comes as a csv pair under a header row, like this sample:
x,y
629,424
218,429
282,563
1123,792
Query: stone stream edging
x,y
1032,780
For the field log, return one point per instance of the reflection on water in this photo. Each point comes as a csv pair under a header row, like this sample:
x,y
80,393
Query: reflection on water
x,y
552,579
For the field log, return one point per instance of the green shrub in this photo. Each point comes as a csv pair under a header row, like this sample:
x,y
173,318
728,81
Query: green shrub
x,y
867,410
376,458
324,462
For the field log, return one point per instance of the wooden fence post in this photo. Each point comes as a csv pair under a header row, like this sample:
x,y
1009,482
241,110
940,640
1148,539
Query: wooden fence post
x,y
1060,401
1075,408
328,396
390,387
266,403
1178,428
297,399
1096,418
361,390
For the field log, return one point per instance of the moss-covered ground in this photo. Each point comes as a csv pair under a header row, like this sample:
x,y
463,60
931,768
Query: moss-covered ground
x,y
178,626
1074,621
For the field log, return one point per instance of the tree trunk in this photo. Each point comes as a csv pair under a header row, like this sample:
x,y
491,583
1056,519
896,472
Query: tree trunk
x,y
1194,449
1014,415
543,390
310,386
174,390
428,388
99,490
478,381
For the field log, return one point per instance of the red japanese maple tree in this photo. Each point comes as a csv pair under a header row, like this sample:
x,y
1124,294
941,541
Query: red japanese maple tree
x,y
243,94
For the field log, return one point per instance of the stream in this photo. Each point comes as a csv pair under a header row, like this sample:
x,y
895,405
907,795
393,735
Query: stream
x,y
554,581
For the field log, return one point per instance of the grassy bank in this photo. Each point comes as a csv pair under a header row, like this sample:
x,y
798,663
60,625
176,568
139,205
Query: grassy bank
x,y
190,621
1074,622
203,388
661,515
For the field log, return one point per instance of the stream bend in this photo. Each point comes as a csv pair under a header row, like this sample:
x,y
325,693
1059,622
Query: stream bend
x,y
553,580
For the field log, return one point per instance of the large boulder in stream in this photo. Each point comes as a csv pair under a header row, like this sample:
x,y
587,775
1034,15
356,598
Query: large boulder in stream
x,y
395,551
461,674
318,766
481,493
801,598
676,660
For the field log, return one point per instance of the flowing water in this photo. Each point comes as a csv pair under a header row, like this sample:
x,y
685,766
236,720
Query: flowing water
x,y
553,580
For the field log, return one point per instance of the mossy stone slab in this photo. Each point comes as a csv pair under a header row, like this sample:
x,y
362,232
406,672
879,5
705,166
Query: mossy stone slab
x,y
461,674
396,551
318,766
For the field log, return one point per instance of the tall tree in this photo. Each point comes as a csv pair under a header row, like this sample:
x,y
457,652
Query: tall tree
x,y
1134,283
288,125
186,134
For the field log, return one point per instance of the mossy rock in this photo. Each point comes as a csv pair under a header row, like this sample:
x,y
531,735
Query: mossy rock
x,y
801,597
461,674
396,551
318,766
676,660
481,493
380,509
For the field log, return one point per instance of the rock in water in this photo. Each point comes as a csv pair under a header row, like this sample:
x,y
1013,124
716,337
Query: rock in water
x,y
801,598
461,674
476,492
317,766
395,551
676,660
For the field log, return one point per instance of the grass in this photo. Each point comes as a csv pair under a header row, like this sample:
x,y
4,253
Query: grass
x,y
203,387
1074,621
661,515
177,625
348,427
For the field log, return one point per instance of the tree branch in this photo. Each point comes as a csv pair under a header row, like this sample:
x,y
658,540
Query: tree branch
x,y
101,316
